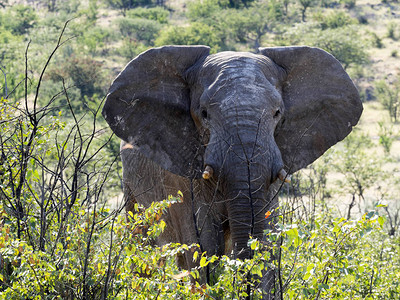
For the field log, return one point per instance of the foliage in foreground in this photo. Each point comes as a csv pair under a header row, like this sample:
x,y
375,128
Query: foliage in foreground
x,y
105,255
60,240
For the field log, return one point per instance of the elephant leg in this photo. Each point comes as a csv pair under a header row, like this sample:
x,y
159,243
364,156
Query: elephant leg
x,y
129,199
193,221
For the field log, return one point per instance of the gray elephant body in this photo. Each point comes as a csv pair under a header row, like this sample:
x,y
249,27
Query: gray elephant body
x,y
244,116
198,220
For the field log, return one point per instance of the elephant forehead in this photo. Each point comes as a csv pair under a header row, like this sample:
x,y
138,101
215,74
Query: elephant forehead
x,y
232,62
230,78
221,57
232,69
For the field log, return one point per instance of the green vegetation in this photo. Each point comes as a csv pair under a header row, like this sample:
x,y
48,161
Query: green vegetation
x,y
59,167
389,95
125,5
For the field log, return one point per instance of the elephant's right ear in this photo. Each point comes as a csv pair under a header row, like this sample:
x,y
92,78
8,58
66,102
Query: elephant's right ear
x,y
148,106
321,103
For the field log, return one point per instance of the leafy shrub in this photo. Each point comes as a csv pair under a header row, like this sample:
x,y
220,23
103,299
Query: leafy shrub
x,y
348,3
195,34
130,48
198,10
85,73
18,19
141,29
158,14
386,137
359,168
239,3
344,43
125,5
304,5
392,29
59,238
344,46
334,20
322,262
388,95
94,39
251,24
376,41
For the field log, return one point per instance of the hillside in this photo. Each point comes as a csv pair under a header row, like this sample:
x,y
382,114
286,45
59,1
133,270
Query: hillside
x,y
64,233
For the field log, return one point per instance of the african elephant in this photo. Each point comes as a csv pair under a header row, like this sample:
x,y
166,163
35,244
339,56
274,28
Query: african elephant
x,y
222,128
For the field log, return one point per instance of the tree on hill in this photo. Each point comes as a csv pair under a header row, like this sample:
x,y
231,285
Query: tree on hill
x,y
389,95
251,24
125,5
239,3
305,4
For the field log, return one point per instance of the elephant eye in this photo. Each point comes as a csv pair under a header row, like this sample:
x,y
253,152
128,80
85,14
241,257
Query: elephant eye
x,y
277,113
204,114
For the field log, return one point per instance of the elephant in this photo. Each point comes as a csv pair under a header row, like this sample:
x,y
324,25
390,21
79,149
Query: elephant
x,y
222,128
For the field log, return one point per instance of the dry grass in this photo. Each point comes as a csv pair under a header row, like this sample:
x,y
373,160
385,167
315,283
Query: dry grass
x,y
382,190
380,17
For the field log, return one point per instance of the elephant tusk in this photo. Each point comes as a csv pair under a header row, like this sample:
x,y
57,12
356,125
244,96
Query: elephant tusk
x,y
127,146
208,172
283,176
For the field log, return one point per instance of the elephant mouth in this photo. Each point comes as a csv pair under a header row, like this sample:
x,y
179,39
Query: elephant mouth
x,y
282,174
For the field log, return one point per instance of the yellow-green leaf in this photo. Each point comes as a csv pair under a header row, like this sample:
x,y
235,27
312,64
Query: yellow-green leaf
x,y
203,261
195,255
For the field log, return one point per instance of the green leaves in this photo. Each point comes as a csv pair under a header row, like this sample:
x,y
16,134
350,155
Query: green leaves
x,y
196,33
333,258
388,94
293,237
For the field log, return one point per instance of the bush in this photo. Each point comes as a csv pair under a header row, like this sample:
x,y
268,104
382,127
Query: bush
x,y
358,167
392,29
305,4
198,10
158,14
18,19
388,94
130,48
195,34
125,5
141,29
376,41
251,24
348,3
85,73
323,262
95,39
343,45
344,42
386,137
59,238
239,3
334,20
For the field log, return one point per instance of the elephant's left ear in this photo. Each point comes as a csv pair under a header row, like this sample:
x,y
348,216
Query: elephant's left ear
x,y
321,104
148,106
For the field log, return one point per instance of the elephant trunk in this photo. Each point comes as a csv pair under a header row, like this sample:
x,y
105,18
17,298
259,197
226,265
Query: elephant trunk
x,y
249,197
246,220
243,153
247,184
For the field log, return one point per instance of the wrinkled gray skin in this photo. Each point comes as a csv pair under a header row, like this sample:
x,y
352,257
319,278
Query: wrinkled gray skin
x,y
245,115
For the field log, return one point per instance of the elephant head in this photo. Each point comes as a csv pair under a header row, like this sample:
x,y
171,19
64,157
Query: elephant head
x,y
243,117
